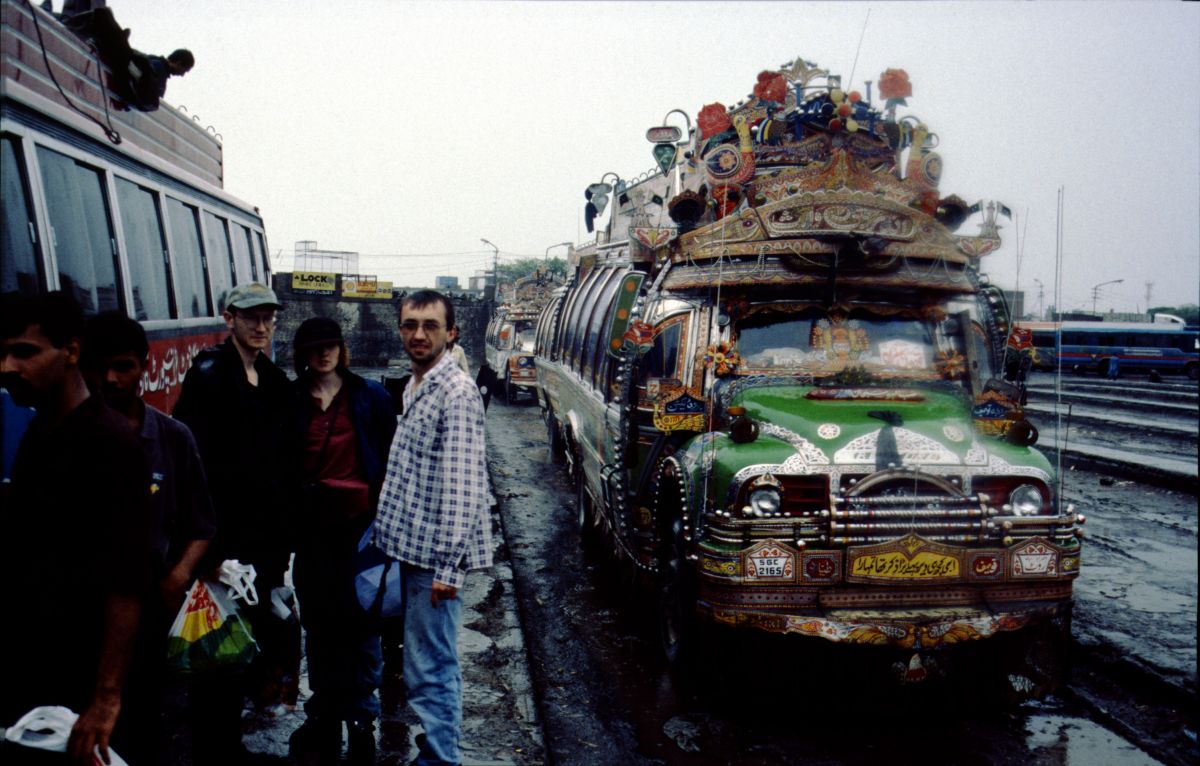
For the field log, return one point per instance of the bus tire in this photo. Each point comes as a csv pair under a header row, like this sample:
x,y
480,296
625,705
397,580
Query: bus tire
x,y
554,440
678,626
585,518
1192,370
1035,662
675,604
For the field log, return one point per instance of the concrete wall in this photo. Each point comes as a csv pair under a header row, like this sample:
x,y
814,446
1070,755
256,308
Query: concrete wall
x,y
369,326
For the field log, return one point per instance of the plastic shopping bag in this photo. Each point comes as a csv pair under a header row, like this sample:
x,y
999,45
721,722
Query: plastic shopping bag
x,y
209,632
48,729
377,580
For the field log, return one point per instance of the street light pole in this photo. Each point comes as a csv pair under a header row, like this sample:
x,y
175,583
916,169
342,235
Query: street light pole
x,y
546,259
1096,291
495,269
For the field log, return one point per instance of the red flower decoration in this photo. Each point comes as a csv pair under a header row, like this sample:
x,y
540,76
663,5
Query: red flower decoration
x,y
894,84
772,86
713,119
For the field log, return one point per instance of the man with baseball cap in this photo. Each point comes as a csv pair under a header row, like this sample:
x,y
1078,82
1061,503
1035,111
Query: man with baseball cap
x,y
238,403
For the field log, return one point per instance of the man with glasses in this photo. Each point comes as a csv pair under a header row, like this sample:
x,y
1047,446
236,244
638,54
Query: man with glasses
x,y
237,403
433,517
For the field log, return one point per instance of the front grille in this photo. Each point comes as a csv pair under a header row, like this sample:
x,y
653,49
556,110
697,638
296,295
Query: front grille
x,y
880,507
890,505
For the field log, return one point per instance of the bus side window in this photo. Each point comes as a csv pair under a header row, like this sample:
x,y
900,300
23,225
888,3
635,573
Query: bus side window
x,y
20,255
219,255
187,260
259,264
595,358
575,324
243,261
146,251
662,359
82,231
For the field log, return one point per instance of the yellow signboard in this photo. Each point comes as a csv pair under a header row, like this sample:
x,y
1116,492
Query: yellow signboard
x,y
911,558
926,565
375,290
314,282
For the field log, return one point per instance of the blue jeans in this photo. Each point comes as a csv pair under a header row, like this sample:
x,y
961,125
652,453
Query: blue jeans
x,y
431,670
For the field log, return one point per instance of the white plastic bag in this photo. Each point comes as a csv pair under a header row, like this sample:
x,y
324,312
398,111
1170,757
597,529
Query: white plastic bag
x,y
48,728
240,579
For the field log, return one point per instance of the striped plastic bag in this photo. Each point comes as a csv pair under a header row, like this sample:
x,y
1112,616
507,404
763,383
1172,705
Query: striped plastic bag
x,y
209,632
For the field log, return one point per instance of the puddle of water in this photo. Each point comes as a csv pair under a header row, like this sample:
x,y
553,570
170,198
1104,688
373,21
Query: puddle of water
x,y
1070,741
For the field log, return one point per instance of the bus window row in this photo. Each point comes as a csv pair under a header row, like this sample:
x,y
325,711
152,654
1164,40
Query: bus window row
x,y
165,258
578,341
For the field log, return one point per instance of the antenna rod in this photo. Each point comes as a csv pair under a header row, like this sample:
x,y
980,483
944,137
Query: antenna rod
x,y
860,41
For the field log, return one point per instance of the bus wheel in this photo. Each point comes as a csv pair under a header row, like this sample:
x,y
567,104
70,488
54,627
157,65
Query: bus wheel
x,y
510,394
1036,662
678,627
1193,371
554,439
585,518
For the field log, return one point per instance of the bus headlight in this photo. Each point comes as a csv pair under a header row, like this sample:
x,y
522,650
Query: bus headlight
x,y
764,502
1026,500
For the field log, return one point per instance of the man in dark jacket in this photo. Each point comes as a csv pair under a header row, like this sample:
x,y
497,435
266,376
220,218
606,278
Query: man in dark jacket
x,y
75,554
115,356
236,401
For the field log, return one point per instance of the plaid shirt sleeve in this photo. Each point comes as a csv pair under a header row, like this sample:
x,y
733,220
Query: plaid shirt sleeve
x,y
464,481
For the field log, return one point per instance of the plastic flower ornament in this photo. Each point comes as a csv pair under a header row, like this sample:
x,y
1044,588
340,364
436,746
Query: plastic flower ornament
x,y
722,357
713,119
895,88
951,365
843,110
894,84
771,86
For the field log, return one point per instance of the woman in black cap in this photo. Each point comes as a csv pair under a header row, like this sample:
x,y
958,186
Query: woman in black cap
x,y
344,430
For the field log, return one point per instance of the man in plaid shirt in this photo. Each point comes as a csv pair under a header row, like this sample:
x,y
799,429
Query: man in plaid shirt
x,y
433,516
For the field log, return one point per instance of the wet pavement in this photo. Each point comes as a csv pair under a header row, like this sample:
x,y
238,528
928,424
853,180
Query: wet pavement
x,y
500,715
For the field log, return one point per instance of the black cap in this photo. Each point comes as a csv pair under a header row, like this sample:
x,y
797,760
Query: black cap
x,y
317,331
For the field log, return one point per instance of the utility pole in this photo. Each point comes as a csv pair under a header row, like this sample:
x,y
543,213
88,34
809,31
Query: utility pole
x,y
1149,289
489,294
1096,291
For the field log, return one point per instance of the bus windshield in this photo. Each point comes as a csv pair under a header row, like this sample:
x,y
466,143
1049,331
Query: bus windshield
x,y
526,335
906,344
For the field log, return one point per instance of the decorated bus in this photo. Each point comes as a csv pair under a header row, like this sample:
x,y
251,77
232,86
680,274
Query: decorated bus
x,y
508,340
777,377
123,209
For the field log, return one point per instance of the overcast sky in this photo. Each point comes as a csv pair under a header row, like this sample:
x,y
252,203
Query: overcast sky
x,y
409,131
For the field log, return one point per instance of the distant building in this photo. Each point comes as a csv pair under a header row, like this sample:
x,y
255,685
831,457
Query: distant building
x,y
311,259
1016,303
479,282
446,283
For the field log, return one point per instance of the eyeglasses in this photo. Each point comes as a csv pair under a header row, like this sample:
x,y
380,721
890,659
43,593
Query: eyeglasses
x,y
429,326
254,320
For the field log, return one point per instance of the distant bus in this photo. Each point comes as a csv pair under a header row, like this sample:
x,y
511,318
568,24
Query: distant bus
x,y
139,223
1140,346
